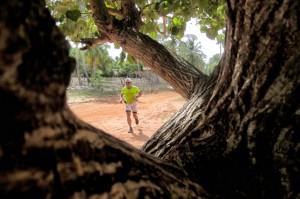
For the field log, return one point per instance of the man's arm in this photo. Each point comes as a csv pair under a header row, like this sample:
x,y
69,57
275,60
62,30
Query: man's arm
x,y
140,93
121,98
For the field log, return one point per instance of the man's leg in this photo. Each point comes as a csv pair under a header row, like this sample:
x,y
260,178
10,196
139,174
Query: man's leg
x,y
136,117
128,113
134,113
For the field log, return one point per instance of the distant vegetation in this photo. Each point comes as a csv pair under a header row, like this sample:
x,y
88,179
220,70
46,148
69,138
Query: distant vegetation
x,y
95,64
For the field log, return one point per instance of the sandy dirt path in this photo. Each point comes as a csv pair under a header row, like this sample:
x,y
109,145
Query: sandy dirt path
x,y
109,115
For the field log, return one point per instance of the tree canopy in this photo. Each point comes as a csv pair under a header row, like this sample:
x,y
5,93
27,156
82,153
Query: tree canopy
x,y
159,17
162,20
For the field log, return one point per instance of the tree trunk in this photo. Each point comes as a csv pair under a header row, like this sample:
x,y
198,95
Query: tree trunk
x,y
77,69
85,70
86,74
238,133
78,74
45,151
244,140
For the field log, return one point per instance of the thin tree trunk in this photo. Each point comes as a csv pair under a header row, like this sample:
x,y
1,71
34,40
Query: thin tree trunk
x,y
77,68
86,73
85,70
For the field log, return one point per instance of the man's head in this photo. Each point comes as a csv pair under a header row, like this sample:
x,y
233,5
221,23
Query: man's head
x,y
128,82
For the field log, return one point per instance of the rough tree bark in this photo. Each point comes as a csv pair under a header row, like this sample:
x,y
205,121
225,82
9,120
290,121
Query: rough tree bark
x,y
45,151
244,140
238,134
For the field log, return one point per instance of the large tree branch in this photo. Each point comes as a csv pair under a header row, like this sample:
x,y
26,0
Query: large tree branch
x,y
179,73
183,76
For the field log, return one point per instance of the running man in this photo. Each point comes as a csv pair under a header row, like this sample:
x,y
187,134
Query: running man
x,y
129,95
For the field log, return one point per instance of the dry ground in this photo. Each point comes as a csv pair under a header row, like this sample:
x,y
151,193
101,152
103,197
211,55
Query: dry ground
x,y
108,114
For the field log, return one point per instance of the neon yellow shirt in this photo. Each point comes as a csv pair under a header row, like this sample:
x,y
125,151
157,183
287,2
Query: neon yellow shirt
x,y
130,94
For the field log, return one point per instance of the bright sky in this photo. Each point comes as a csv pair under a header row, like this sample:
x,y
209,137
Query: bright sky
x,y
209,47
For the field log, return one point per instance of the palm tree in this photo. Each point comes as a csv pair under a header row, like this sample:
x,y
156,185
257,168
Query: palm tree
x,y
191,51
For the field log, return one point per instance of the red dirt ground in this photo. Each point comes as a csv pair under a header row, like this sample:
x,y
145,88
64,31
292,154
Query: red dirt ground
x,y
109,115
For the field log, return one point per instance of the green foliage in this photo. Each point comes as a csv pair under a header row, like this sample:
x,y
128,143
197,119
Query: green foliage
x,y
96,78
96,62
94,58
121,70
212,63
221,37
122,57
75,18
73,14
209,14
129,69
189,50
131,59
177,26
213,21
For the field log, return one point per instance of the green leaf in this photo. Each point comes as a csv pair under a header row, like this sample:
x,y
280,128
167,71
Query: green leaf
x,y
73,14
153,34
177,21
